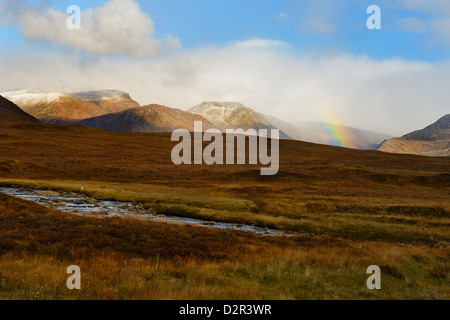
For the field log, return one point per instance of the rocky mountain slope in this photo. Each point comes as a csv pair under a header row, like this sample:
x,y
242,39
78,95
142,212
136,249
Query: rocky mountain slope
x,y
230,115
233,115
107,101
61,108
434,140
10,112
151,118
440,130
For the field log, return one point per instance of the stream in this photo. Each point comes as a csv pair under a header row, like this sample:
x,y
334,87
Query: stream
x,y
78,204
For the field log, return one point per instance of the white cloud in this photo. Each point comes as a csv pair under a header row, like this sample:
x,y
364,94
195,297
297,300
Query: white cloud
x,y
441,29
434,6
317,26
283,16
118,27
260,44
411,25
435,23
391,96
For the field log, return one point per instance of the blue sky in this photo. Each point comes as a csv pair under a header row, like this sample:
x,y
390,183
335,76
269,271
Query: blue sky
x,y
200,22
205,22
297,60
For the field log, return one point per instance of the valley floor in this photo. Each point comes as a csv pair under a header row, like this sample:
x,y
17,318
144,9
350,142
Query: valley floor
x,y
347,210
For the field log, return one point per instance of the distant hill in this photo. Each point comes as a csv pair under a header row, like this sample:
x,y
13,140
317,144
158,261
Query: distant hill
x,y
330,134
61,108
151,118
434,140
10,112
440,130
235,115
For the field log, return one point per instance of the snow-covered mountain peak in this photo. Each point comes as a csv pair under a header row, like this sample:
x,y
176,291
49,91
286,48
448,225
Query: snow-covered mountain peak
x,y
26,97
228,114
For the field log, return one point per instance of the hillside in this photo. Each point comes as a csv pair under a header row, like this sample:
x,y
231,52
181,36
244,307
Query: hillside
x,y
434,140
10,112
345,209
61,108
230,115
151,118
107,101
233,115
82,153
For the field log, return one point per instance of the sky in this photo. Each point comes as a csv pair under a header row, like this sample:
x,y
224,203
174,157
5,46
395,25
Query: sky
x,y
297,60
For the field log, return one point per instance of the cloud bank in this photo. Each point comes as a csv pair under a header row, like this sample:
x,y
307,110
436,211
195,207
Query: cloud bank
x,y
434,21
119,27
391,96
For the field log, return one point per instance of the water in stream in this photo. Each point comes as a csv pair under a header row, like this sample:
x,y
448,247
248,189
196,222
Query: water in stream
x,y
79,204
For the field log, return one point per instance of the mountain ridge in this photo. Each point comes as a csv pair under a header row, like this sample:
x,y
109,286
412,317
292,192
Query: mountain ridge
x,y
63,108
433,140
234,115
436,131
11,112
149,118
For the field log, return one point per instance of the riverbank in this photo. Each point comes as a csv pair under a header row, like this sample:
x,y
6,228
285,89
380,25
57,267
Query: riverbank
x,y
76,203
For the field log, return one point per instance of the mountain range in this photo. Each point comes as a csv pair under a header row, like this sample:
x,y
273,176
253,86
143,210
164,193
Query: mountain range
x,y
62,108
116,110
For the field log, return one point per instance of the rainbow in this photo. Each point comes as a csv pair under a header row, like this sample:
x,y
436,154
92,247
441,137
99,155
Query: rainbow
x,y
338,135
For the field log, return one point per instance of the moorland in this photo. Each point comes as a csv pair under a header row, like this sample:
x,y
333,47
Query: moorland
x,y
344,209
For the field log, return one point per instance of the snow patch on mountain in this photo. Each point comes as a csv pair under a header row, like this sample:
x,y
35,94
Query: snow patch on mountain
x,y
100,95
229,114
26,97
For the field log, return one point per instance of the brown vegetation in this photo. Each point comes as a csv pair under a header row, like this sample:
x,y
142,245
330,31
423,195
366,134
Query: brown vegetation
x,y
350,209
10,112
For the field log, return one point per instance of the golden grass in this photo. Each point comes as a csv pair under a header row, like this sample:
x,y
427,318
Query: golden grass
x,y
269,273
363,208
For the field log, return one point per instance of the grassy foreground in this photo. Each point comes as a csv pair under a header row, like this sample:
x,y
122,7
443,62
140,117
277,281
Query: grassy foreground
x,y
132,259
347,210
